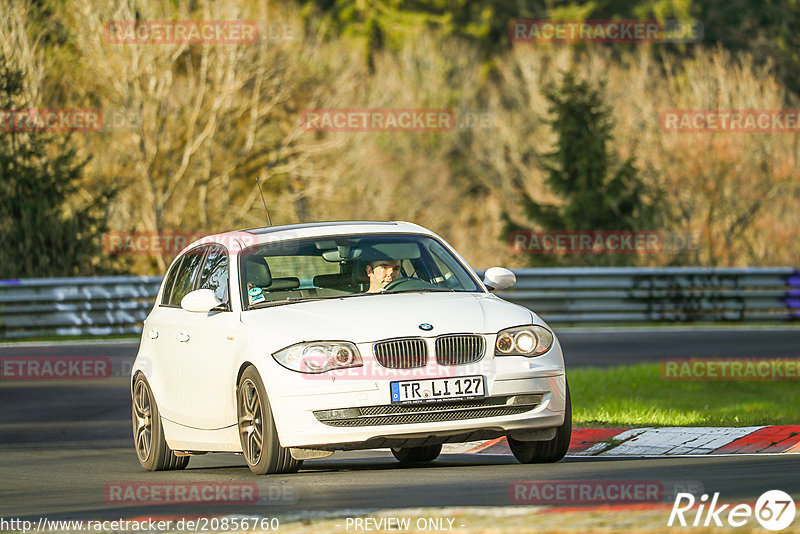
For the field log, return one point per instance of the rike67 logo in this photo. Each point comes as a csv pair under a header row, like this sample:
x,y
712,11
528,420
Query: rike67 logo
x,y
774,510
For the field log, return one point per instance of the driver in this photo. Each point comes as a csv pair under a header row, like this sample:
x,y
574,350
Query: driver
x,y
381,273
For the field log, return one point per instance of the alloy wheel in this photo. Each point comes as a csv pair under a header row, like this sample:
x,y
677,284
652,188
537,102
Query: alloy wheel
x,y
143,413
251,421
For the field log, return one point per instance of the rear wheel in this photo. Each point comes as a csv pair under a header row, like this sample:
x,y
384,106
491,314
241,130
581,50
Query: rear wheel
x,y
536,452
257,433
409,455
148,435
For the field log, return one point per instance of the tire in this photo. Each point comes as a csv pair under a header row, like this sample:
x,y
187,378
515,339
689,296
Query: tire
x,y
417,455
257,433
540,452
148,435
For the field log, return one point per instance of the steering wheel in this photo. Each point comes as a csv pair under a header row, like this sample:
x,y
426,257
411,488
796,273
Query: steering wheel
x,y
408,282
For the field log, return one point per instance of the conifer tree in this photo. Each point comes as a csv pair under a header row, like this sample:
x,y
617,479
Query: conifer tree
x,y
44,232
599,190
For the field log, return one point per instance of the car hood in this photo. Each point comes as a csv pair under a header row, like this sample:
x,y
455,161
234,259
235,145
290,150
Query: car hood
x,y
369,318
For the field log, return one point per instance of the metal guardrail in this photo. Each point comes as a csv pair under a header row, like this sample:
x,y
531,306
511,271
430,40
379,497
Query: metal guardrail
x,y
75,306
119,304
659,295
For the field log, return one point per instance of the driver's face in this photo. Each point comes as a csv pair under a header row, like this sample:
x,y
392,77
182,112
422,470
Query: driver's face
x,y
382,273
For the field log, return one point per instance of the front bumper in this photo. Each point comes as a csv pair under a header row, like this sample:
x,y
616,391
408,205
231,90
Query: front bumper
x,y
307,420
302,404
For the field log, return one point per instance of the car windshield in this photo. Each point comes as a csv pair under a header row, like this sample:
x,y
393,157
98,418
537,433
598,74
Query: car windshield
x,y
350,265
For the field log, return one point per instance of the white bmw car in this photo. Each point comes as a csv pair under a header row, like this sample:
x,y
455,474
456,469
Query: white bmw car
x,y
291,342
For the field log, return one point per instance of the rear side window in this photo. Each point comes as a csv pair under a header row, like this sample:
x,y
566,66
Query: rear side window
x,y
215,273
187,274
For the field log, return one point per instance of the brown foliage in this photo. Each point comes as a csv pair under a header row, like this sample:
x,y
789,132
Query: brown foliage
x,y
208,119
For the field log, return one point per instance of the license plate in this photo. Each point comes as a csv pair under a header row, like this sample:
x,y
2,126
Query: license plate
x,y
437,389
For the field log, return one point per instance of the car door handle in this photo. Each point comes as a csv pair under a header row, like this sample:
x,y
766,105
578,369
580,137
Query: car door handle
x,y
183,337
153,333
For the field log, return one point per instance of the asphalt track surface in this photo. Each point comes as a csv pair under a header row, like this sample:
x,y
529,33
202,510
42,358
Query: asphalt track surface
x,y
63,443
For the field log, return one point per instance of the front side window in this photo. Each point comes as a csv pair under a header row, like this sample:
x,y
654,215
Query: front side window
x,y
349,265
187,274
214,275
169,282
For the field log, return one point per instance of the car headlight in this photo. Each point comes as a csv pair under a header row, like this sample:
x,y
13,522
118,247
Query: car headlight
x,y
530,341
319,356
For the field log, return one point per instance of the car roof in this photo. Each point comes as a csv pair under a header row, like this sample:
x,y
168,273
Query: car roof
x,y
257,236
323,224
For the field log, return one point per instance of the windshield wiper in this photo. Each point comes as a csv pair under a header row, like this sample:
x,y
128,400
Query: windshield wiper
x,y
359,294
292,300
287,300
425,290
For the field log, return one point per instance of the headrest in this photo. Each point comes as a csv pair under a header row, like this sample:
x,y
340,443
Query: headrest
x,y
334,281
360,272
288,282
257,271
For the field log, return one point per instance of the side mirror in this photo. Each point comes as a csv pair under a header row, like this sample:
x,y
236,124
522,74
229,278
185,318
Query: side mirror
x,y
498,278
200,300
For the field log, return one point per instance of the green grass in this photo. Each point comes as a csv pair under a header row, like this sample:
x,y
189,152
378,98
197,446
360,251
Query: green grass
x,y
638,396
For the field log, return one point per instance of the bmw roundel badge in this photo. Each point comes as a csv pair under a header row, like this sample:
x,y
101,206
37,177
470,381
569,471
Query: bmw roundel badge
x,y
425,326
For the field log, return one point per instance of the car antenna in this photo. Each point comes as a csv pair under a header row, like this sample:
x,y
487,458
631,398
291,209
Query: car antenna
x,y
269,219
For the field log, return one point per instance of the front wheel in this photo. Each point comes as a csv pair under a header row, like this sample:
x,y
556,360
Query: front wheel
x,y
148,435
257,432
537,452
409,455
